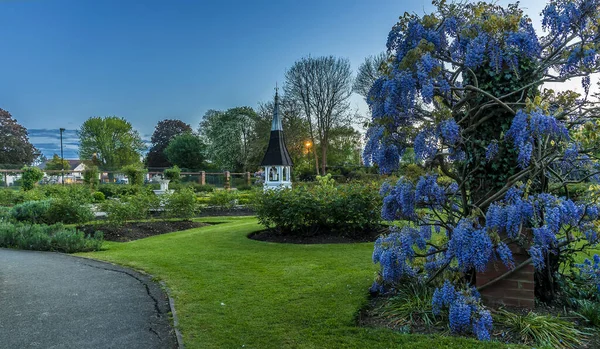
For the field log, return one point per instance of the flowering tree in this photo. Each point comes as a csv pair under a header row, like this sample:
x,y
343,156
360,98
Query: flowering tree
x,y
464,87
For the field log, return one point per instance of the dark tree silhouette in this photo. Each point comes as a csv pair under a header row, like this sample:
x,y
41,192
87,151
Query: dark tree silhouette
x,y
15,148
164,132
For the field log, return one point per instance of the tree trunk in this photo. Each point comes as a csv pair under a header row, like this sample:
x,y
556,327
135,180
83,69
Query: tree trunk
x,y
324,158
316,159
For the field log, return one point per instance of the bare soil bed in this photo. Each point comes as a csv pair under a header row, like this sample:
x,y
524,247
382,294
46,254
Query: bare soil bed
x,y
326,237
138,230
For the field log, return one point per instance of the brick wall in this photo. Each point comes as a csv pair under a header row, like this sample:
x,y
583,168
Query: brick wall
x,y
516,290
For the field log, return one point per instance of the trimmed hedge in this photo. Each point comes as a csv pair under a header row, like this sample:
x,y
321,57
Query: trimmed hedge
x,y
345,209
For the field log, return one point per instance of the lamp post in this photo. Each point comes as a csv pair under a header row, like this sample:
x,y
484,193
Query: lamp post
x,y
62,158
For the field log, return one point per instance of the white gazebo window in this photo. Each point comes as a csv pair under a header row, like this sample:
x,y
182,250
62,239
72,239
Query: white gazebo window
x,y
273,174
284,176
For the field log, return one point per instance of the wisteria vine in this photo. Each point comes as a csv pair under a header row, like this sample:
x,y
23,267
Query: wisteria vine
x,y
464,87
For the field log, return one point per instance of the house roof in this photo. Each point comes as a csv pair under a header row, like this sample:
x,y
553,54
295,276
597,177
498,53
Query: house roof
x,y
277,153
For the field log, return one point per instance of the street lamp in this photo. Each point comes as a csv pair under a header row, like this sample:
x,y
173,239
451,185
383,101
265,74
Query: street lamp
x,y
62,158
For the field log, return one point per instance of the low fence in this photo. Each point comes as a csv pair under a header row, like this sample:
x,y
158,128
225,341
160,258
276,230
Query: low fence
x,y
225,179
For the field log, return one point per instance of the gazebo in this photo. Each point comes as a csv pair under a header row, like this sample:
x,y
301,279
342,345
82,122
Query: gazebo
x,y
277,162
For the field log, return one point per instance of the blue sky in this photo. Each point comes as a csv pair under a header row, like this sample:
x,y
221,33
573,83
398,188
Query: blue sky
x,y
66,60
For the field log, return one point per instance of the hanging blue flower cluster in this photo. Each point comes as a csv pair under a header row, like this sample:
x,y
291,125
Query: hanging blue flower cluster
x,y
591,269
466,314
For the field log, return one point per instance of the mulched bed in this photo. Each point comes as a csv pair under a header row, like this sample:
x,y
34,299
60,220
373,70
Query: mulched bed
x,y
138,230
215,212
271,235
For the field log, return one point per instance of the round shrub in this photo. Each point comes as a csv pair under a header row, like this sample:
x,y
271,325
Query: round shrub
x,y
68,211
31,175
31,211
98,196
172,174
181,204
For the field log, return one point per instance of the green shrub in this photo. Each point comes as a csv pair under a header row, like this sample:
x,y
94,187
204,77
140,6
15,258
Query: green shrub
x,y
77,192
541,330
135,174
5,215
69,211
118,190
98,196
172,174
90,176
589,311
30,177
135,207
202,188
412,172
31,211
47,238
224,199
344,209
411,305
10,197
181,204
244,187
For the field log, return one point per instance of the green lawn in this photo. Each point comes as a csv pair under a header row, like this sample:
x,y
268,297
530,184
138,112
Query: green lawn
x,y
233,292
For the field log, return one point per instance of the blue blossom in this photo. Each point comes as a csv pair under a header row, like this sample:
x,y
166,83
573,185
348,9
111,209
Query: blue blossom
x,y
460,317
491,151
482,327
591,270
450,132
426,145
476,51
429,192
537,257
505,255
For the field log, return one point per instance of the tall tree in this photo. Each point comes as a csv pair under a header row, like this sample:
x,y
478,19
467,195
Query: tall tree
x,y
368,72
56,163
322,86
228,136
186,151
164,132
111,140
14,142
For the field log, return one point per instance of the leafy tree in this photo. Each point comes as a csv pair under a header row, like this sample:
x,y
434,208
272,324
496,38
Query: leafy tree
x,y
56,163
186,151
111,141
464,87
228,137
14,142
31,175
135,174
368,72
322,86
164,132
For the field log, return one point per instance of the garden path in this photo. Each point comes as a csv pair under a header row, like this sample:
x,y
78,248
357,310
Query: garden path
x,y
52,300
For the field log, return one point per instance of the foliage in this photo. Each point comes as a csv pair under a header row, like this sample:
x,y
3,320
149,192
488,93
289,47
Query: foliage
x,y
229,136
463,87
542,330
31,211
181,204
91,176
5,215
172,174
344,209
186,151
56,163
31,175
69,211
164,132
16,148
224,199
117,190
135,174
47,238
410,306
412,172
111,141
125,208
589,311
98,196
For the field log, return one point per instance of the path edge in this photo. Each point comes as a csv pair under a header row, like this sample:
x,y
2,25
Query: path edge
x,y
162,284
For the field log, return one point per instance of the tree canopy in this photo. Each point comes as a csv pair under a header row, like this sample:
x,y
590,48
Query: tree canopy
x,y
368,72
187,151
465,87
56,163
164,132
111,140
14,142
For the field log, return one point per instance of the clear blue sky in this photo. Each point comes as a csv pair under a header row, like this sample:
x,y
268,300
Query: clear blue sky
x,y
66,60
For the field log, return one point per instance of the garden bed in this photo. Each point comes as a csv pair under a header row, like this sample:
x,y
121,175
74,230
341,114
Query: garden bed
x,y
327,237
139,230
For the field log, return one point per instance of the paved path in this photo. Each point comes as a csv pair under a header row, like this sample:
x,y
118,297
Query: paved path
x,y
51,300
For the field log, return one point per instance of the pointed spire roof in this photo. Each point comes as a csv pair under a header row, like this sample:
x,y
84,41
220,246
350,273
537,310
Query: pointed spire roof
x,y
277,153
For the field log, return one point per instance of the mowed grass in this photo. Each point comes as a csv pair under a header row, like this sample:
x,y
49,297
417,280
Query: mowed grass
x,y
233,292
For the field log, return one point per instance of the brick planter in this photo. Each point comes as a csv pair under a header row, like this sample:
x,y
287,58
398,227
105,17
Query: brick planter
x,y
516,290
